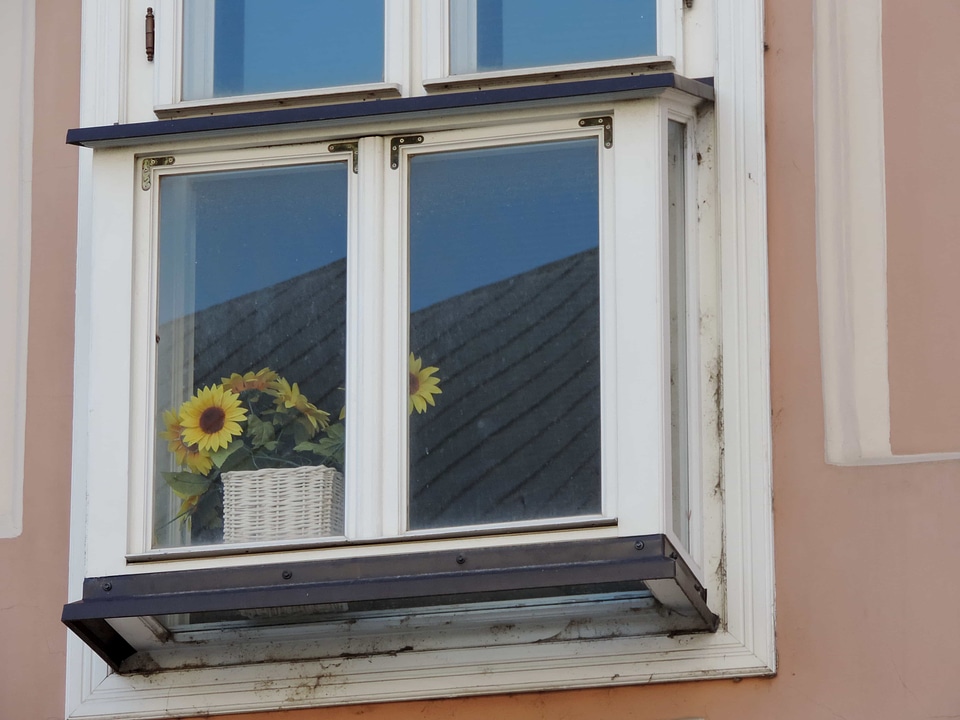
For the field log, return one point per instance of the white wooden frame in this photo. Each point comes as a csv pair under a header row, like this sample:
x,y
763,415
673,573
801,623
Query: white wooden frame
x,y
745,643
168,65
634,346
437,45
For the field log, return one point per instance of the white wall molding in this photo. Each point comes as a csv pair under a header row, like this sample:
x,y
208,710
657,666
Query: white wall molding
x,y
852,234
16,134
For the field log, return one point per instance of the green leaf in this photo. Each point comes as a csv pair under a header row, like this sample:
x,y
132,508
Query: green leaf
x,y
220,456
258,431
307,447
186,484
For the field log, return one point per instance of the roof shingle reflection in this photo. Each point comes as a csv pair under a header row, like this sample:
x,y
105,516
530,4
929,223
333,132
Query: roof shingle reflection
x,y
515,434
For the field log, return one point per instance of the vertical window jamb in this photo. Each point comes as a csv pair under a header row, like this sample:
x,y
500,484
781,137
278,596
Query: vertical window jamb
x,y
670,31
371,279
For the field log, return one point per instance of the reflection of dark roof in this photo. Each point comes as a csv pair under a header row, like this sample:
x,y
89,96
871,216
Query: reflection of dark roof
x,y
515,434
297,327
521,359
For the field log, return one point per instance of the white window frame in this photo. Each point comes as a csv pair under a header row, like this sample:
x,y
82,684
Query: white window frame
x,y
743,646
168,66
437,31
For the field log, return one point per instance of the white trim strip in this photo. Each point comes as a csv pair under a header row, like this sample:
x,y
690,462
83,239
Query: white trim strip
x,y
16,131
851,229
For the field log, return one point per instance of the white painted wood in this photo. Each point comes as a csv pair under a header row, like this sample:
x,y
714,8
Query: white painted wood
x,y
747,473
640,374
736,503
16,205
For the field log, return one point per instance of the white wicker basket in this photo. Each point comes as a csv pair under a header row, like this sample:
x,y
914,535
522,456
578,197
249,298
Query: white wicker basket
x,y
282,503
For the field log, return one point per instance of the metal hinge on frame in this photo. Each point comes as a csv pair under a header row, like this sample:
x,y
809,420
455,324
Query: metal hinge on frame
x,y
398,142
352,146
604,121
147,164
149,34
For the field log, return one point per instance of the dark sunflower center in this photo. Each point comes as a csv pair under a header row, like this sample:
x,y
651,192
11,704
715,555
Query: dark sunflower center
x,y
414,383
212,420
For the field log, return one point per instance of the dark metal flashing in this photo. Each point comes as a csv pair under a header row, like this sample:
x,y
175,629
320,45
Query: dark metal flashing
x,y
286,118
413,580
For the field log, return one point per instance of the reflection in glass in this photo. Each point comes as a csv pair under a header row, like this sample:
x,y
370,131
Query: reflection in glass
x,y
261,46
487,35
250,337
504,295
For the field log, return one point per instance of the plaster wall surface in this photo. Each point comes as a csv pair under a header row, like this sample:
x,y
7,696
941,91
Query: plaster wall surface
x,y
867,626
922,127
33,566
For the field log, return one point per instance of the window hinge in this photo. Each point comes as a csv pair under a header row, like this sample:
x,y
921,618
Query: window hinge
x,y
147,165
353,146
606,122
149,31
397,142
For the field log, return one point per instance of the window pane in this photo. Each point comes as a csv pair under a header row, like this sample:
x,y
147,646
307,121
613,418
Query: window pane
x,y
504,295
490,35
251,345
242,47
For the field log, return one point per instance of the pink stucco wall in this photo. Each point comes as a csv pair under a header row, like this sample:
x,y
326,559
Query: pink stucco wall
x,y
922,126
33,567
865,556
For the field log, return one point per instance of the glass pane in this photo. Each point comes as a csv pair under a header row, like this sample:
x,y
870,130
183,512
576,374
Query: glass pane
x,y
679,415
251,354
490,35
242,47
504,295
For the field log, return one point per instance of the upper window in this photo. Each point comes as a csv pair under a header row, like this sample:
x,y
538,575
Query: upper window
x,y
246,47
491,35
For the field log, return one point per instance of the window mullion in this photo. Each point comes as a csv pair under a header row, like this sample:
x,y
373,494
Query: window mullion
x,y
366,456
394,305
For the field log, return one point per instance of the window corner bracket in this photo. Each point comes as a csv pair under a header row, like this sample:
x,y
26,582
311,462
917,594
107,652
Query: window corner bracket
x,y
147,164
398,142
604,121
351,146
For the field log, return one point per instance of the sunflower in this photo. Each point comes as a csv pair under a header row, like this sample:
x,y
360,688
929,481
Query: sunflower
x,y
289,396
422,386
210,419
195,459
249,381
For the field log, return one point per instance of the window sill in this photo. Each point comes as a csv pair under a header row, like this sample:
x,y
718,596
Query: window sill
x,y
267,101
553,73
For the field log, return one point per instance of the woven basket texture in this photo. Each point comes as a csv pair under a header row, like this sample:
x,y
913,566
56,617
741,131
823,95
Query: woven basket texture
x,y
282,503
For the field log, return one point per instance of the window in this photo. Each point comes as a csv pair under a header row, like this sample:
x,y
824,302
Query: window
x,y
488,315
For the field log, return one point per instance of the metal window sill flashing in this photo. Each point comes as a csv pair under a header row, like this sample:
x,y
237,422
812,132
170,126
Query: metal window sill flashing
x,y
493,99
125,618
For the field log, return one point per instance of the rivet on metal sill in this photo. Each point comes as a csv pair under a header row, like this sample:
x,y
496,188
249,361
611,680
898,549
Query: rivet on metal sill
x,y
674,556
106,587
638,544
461,559
286,574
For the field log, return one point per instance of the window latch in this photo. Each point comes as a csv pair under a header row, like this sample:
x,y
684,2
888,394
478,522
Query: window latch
x,y
149,34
